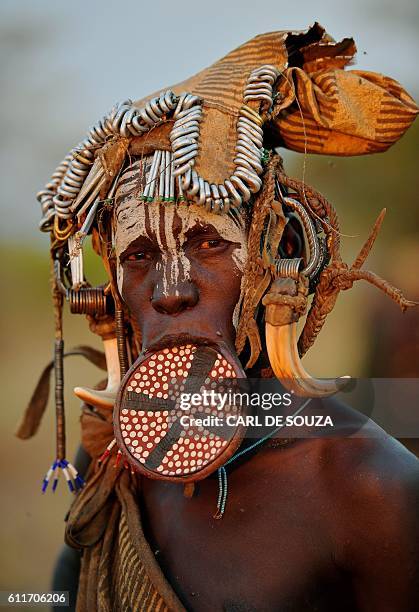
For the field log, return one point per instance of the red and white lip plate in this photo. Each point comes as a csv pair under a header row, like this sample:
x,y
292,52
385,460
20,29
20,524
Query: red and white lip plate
x,y
158,438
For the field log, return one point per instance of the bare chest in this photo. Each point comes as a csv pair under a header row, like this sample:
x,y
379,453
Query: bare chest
x,y
268,552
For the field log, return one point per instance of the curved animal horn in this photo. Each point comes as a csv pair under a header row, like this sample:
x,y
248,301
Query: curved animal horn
x,y
283,306
105,398
281,341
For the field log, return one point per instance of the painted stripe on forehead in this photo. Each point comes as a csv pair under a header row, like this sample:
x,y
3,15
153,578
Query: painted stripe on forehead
x,y
168,225
132,181
156,221
136,218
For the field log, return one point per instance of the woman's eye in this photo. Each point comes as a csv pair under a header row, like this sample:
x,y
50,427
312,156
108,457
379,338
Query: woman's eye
x,y
210,244
137,257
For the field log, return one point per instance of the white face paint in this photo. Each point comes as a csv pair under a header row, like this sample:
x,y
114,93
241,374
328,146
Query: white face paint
x,y
135,219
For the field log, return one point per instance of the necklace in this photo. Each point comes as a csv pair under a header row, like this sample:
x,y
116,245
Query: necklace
x,y
222,472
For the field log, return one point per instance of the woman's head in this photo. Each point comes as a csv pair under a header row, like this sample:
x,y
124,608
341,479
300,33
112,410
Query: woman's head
x,y
179,266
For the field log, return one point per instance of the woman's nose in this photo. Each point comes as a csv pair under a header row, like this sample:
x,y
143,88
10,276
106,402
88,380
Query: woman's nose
x,y
175,298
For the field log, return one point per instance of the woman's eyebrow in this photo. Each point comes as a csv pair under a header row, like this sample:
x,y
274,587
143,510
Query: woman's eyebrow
x,y
141,242
201,230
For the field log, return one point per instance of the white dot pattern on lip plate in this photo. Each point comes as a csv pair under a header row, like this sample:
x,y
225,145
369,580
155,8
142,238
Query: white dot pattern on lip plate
x,y
162,376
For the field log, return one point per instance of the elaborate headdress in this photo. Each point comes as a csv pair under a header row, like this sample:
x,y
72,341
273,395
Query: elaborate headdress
x,y
213,141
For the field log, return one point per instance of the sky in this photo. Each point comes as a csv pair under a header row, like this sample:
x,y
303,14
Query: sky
x,y
64,64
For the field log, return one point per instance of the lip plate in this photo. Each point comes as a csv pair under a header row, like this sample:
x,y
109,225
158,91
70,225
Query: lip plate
x,y
209,467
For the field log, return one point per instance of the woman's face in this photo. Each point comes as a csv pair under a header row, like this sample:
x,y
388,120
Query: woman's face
x,y
179,268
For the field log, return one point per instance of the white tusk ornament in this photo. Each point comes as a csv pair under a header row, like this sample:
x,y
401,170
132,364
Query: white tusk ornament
x,y
105,398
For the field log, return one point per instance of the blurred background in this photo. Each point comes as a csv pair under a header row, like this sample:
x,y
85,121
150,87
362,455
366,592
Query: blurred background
x,y
63,65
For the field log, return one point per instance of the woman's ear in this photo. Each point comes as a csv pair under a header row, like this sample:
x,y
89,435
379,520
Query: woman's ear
x,y
292,241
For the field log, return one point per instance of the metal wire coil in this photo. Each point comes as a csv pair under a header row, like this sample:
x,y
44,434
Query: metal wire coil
x,y
87,300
